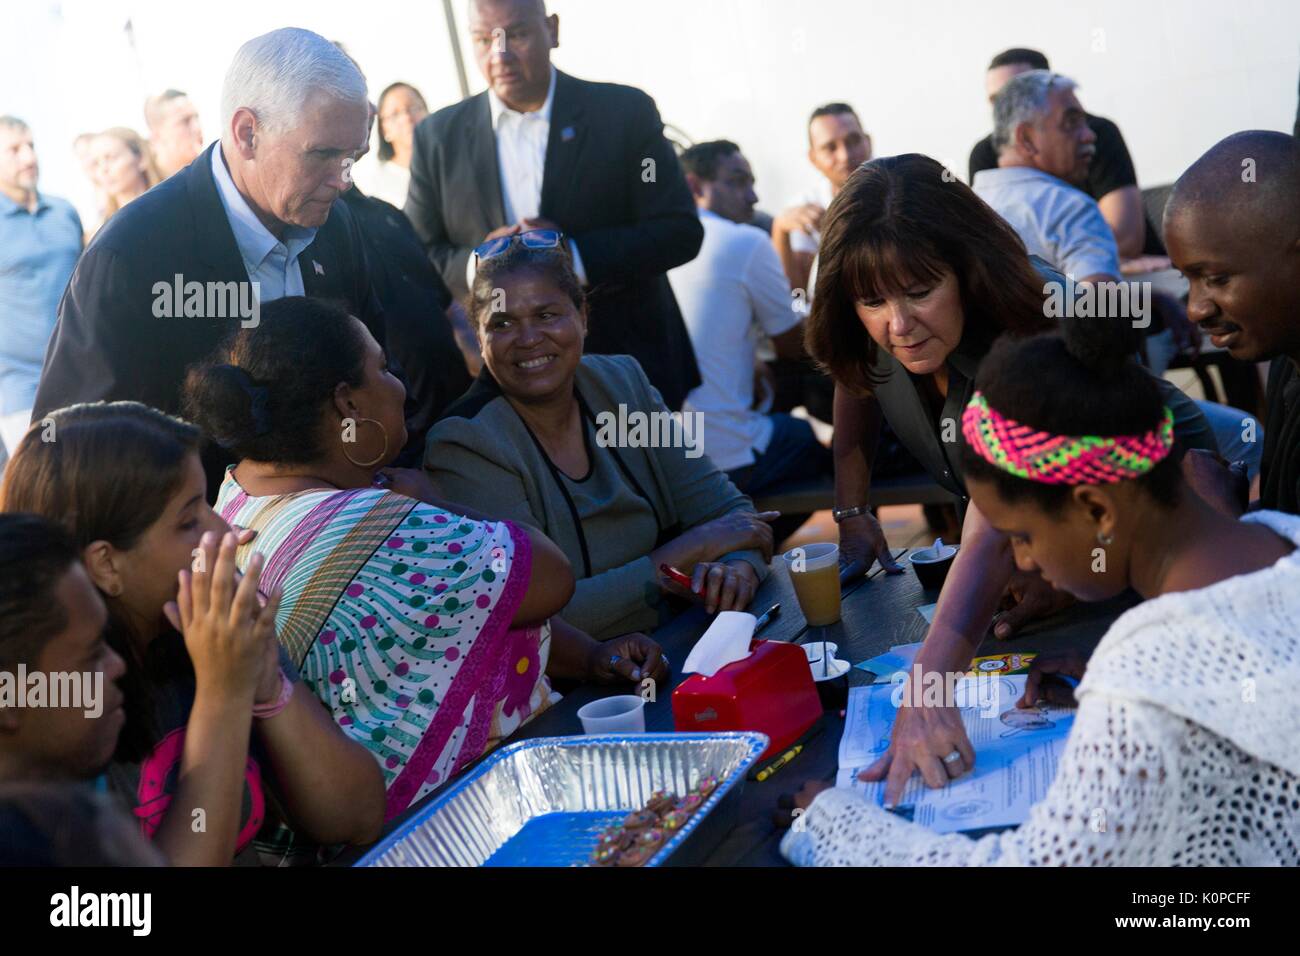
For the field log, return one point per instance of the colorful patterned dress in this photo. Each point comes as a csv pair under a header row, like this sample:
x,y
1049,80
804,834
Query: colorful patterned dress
x,y
397,614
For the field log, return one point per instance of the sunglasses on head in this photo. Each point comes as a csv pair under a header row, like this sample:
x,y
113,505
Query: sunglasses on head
x,y
533,239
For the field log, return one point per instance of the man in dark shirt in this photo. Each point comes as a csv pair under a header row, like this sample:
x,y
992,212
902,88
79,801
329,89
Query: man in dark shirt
x,y
415,301
1233,227
1111,179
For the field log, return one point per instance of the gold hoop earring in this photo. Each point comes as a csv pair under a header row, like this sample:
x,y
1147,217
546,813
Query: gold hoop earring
x,y
380,457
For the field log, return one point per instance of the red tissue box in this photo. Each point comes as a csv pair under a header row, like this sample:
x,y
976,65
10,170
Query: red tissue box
x,y
771,691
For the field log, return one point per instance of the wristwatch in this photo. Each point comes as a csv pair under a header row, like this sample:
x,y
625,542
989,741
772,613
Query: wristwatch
x,y
840,514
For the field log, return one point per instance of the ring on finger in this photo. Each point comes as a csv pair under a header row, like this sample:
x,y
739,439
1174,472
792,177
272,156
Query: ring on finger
x,y
953,757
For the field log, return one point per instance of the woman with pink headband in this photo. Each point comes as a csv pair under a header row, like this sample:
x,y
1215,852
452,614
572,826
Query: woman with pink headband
x,y
918,278
1186,746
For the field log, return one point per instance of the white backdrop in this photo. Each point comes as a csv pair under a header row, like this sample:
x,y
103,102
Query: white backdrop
x,y
1175,74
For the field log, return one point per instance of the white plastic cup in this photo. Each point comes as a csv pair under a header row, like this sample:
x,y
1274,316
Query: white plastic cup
x,y
622,714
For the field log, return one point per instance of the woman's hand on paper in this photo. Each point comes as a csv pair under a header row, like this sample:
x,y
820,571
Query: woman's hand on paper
x,y
923,737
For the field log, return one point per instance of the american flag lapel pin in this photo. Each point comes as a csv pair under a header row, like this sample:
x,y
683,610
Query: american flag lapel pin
x,y
320,270
568,133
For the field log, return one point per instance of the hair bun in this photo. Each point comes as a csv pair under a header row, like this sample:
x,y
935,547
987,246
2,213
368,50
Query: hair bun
x,y
228,404
1104,344
258,397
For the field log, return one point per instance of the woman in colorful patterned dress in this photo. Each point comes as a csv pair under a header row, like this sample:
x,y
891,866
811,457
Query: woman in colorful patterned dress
x,y
423,626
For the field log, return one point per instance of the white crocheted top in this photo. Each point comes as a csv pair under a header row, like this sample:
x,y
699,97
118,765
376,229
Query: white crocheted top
x,y
1185,749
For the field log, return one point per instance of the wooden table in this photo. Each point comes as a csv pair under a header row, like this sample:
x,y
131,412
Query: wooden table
x,y
879,611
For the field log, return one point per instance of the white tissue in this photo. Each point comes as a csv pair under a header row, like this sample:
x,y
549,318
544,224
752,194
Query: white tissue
x,y
726,640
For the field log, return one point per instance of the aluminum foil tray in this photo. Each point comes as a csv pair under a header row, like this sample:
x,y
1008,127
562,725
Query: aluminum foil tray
x,y
544,802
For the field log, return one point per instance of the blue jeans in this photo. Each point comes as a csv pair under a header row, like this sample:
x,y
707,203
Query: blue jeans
x,y
1239,435
792,454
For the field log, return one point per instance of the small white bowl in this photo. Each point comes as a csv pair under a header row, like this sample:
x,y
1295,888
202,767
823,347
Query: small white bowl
x,y
834,667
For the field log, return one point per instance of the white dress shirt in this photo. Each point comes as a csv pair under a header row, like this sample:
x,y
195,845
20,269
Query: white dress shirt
x,y
729,294
521,156
270,262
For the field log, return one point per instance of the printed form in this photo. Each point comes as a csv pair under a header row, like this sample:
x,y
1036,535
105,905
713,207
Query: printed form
x,y
1016,753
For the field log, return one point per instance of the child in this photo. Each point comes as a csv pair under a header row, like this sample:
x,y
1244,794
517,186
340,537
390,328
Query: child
x,y
218,737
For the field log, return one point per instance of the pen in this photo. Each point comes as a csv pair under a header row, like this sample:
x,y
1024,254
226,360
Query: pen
x,y
766,617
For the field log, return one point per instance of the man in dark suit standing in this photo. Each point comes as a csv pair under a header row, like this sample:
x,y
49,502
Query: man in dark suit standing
x,y
542,150
254,218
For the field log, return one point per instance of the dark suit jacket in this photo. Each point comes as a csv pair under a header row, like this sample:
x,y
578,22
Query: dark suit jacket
x,y
108,345
629,232
415,300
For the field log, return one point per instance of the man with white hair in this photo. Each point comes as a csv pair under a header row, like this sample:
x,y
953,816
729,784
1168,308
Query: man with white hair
x,y
1044,143
1110,178
255,218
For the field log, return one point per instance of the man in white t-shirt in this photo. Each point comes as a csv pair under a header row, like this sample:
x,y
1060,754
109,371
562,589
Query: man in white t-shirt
x,y
732,292
837,145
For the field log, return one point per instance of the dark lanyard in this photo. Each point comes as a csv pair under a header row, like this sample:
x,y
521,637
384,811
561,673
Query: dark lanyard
x,y
564,490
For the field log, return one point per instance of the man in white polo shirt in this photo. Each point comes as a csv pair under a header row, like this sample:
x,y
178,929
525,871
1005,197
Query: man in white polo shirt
x,y
732,292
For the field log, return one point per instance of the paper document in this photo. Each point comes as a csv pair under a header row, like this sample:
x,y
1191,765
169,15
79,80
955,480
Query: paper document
x,y
1016,753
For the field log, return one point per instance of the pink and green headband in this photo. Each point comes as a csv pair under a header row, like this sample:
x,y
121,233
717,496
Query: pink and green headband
x,y
1062,459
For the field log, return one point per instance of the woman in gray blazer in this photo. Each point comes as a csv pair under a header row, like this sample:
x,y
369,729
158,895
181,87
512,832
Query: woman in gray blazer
x,y
584,448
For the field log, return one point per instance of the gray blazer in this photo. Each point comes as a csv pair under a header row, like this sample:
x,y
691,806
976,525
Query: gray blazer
x,y
483,455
